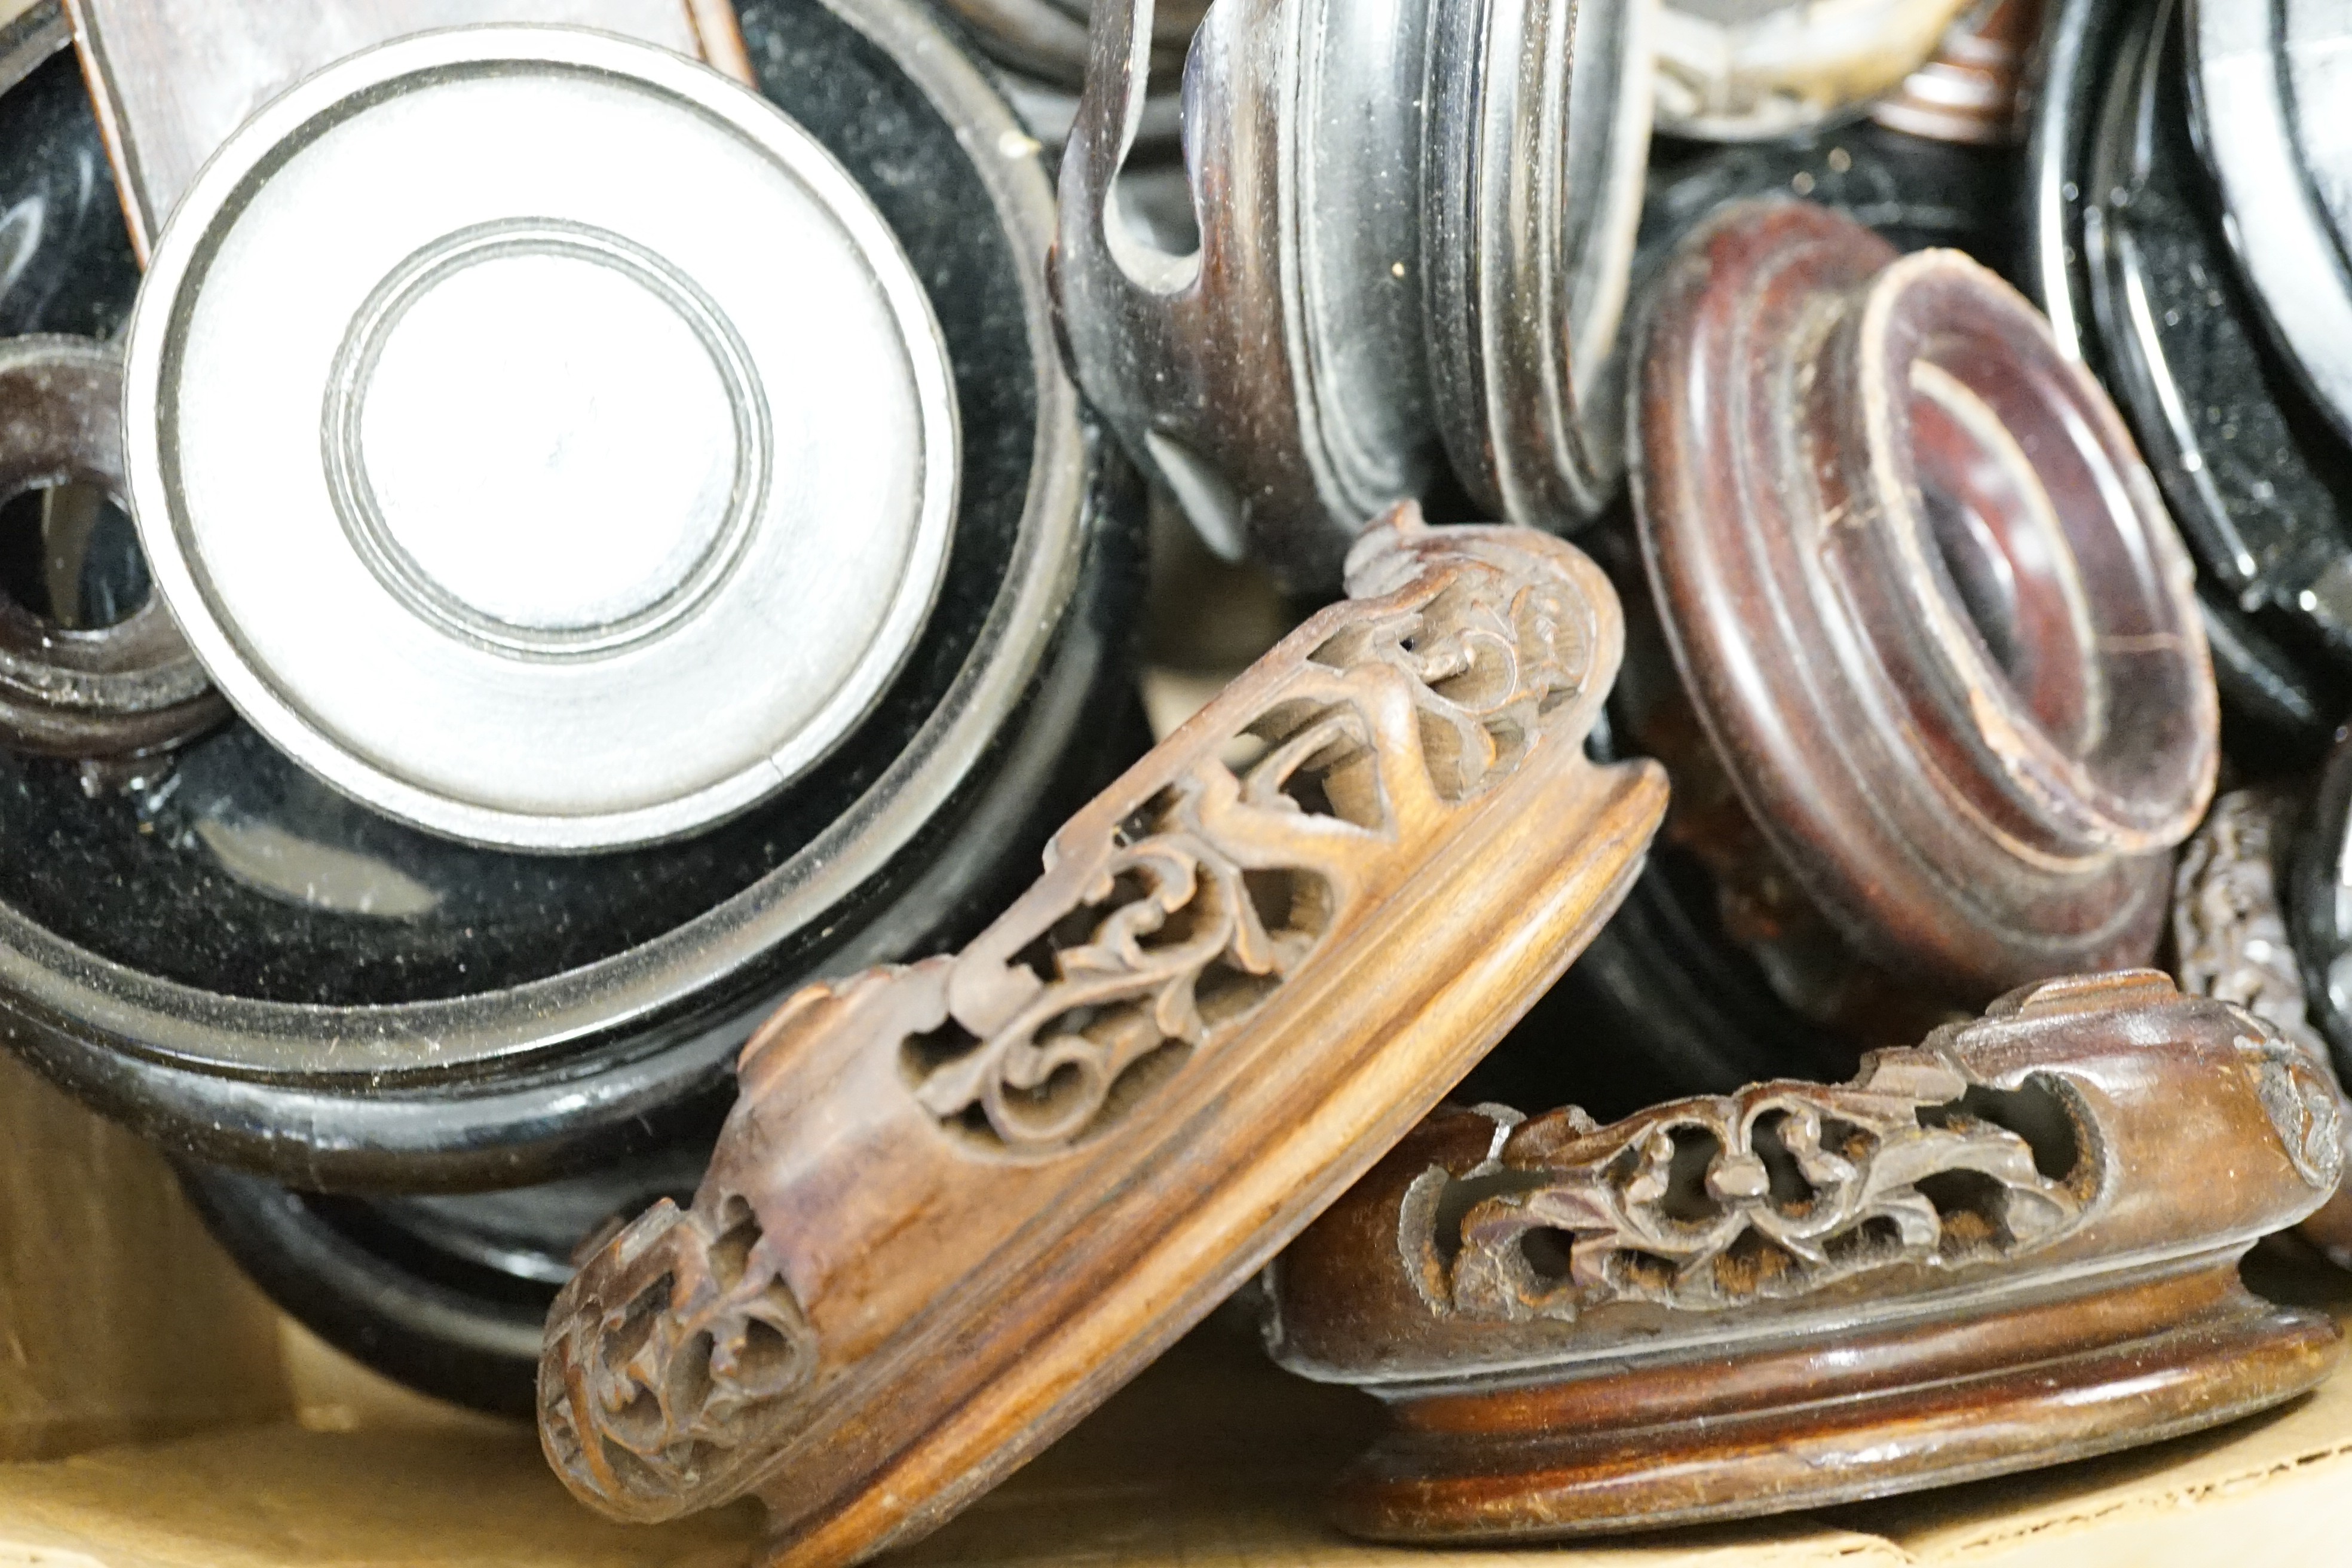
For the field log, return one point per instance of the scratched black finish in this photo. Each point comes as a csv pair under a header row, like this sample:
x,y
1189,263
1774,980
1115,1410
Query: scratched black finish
x,y
240,876
2258,482
247,877
2128,239
65,257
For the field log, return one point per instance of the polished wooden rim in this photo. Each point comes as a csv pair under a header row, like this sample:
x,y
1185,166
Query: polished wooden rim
x,y
1992,1251
1930,611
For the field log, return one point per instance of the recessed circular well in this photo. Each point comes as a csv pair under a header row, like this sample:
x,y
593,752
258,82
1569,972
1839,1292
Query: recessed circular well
x,y
517,485
576,490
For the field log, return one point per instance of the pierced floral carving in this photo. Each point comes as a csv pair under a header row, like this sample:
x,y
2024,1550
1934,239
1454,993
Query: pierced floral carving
x,y
914,1136
667,1354
1164,927
2230,942
1776,1192
1171,908
2229,931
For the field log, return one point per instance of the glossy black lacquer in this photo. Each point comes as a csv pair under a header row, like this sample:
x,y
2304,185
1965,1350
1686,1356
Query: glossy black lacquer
x,y
65,257
447,1294
2130,260
253,969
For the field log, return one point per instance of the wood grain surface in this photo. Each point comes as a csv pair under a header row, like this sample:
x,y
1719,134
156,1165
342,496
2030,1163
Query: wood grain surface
x,y
960,1201
1932,620
1212,1458
2004,1248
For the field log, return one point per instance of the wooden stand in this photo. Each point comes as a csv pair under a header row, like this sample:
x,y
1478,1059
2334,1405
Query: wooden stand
x,y
1903,550
1211,1456
1812,1423
2011,1245
961,1201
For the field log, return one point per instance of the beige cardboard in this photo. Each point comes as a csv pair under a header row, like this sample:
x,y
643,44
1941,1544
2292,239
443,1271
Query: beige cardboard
x,y
118,1318
1210,1460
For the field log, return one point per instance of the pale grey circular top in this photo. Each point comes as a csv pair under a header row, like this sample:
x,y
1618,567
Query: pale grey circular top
x,y
539,438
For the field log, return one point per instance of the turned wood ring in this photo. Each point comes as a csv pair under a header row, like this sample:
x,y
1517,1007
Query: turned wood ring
x,y
122,691
1763,70
960,1201
1923,595
1999,1249
1968,91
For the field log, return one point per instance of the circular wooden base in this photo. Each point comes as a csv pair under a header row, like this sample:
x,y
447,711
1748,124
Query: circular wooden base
x,y
1836,1418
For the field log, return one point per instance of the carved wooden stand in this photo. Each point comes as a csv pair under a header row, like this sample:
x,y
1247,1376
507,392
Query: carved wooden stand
x,y
2009,1245
1948,704
961,1201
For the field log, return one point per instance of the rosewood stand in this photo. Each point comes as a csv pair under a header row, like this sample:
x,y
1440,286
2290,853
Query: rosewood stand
x,y
2014,1245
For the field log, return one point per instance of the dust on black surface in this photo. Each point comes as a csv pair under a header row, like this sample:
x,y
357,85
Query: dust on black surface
x,y
134,876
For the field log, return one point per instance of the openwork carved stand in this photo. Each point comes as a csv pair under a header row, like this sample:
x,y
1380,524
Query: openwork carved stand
x,y
960,1201
2004,1248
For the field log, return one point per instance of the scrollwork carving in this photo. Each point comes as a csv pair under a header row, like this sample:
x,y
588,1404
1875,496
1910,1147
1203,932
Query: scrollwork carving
x,y
2230,943
2296,1088
667,1352
2229,933
1187,914
1776,1192
2015,1242
1259,954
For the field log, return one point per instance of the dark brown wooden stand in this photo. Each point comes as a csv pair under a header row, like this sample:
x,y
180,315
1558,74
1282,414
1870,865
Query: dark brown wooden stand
x,y
2014,1245
1805,1425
